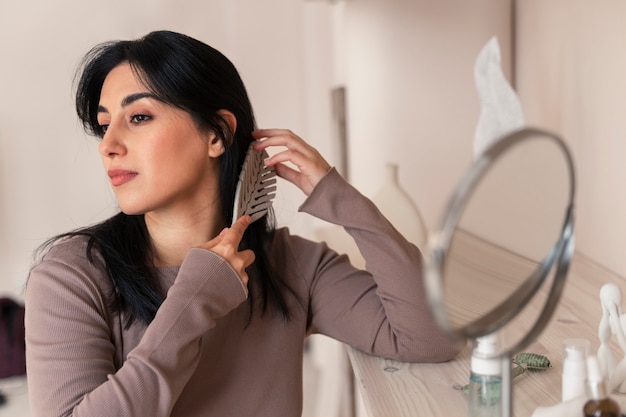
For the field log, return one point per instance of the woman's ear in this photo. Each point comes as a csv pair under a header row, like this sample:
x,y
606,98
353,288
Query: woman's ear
x,y
230,118
216,147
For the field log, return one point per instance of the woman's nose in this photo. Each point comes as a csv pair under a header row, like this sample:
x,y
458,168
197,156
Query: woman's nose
x,y
111,143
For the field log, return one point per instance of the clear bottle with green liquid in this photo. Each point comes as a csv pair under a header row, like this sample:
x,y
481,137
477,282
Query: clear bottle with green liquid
x,y
485,385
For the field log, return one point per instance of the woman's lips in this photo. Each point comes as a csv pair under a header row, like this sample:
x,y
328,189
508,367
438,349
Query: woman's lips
x,y
121,176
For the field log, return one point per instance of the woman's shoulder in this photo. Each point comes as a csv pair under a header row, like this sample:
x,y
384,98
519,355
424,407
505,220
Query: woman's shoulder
x,y
68,284
72,254
65,248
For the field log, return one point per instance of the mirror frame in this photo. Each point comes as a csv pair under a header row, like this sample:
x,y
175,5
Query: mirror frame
x,y
559,257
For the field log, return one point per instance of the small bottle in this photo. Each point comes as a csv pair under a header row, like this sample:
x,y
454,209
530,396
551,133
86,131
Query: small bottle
x,y
574,378
485,385
599,404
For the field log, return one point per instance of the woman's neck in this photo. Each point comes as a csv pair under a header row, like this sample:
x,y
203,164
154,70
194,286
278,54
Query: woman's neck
x,y
173,235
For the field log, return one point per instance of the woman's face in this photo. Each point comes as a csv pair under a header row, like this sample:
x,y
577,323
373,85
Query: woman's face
x,y
156,158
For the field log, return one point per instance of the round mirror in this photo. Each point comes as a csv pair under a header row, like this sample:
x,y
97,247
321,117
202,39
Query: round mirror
x,y
507,230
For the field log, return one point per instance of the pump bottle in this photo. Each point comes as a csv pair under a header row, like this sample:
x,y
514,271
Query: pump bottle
x,y
485,385
574,378
599,404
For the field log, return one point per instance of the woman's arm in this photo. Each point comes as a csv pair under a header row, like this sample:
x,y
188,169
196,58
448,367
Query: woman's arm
x,y
70,352
382,310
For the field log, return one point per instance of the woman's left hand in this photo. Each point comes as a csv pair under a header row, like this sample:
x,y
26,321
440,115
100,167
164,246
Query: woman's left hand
x,y
311,166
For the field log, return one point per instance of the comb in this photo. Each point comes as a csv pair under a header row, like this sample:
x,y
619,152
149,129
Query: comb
x,y
255,188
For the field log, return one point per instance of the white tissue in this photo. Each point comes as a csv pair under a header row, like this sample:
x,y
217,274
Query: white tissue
x,y
500,107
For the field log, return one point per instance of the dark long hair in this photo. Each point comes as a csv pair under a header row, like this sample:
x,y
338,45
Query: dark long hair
x,y
190,75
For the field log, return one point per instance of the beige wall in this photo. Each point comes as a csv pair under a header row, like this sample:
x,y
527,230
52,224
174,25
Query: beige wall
x,y
571,71
412,99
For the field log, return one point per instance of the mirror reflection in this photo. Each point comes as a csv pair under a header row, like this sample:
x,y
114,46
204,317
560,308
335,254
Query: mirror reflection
x,y
508,227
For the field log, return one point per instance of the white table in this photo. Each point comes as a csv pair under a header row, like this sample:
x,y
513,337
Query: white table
x,y
396,389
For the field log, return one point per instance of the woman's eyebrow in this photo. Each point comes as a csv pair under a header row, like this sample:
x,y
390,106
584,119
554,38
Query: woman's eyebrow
x,y
129,99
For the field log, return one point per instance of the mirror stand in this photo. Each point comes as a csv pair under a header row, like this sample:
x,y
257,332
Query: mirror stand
x,y
507,386
508,230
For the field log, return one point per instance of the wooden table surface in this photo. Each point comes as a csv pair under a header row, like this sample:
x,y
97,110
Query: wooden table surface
x,y
395,389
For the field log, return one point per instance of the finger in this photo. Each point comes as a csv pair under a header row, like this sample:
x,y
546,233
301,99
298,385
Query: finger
x,y
285,155
288,174
234,233
239,263
298,152
248,257
242,260
244,279
314,168
268,133
295,177
279,137
310,166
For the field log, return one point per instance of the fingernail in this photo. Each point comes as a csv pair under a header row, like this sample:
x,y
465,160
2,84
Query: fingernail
x,y
224,230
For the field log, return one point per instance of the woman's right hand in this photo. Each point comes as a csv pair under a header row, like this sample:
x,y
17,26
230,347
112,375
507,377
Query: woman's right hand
x,y
226,244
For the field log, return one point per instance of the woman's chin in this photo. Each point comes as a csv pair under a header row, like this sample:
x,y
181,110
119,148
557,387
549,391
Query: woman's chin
x,y
130,210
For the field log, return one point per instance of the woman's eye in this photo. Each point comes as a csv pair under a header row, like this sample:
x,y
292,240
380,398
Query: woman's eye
x,y
103,129
139,118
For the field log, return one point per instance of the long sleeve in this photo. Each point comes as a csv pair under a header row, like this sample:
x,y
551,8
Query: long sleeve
x,y
72,370
382,310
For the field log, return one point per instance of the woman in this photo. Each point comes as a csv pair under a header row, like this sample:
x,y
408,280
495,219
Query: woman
x,y
145,314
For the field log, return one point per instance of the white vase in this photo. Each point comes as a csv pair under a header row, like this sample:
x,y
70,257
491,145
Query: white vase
x,y
399,209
